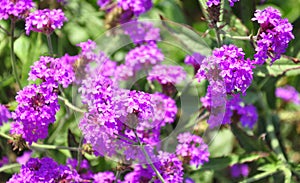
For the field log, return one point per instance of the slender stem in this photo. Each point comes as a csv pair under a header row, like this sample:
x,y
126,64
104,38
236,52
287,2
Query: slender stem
x,y
70,105
245,38
259,176
43,146
117,176
10,166
12,53
148,158
6,31
49,44
271,129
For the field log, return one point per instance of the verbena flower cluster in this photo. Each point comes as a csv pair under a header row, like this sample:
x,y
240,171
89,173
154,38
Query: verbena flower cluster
x,y
37,106
288,94
45,21
15,9
229,65
274,35
50,69
4,114
141,32
210,3
136,7
44,170
192,149
165,74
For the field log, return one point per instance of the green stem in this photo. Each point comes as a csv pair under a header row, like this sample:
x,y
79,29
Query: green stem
x,y
10,166
259,176
148,158
6,32
49,44
243,38
44,146
271,129
70,105
12,53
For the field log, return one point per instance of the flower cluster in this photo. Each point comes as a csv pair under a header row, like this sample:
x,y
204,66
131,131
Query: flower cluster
x,y
195,60
210,3
84,168
165,74
230,65
50,69
44,170
192,149
45,21
17,9
143,57
104,177
136,7
274,35
141,32
4,114
288,94
238,170
37,106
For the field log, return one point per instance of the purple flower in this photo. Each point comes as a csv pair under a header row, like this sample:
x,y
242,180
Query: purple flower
x,y
247,113
4,114
103,3
141,32
52,69
87,50
45,21
44,170
238,170
136,7
170,167
165,109
229,65
192,149
288,94
139,174
24,158
4,161
15,9
143,57
37,106
274,35
195,60
210,3
104,177
165,74
84,168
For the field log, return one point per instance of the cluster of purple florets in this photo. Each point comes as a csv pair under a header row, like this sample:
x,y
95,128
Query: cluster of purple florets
x,y
45,21
17,9
274,35
119,121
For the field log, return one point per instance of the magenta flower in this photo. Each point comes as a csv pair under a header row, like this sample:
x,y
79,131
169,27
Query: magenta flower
x,y
238,170
4,114
192,149
288,94
44,170
274,35
45,21
37,106
16,9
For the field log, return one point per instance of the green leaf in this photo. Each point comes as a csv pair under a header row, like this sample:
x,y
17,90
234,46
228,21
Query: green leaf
x,y
248,142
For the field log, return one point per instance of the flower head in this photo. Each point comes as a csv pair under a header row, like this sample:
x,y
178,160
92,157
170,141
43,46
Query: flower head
x,y
4,114
44,170
288,94
275,34
104,177
136,7
238,170
165,74
16,9
192,148
45,21
37,106
53,69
